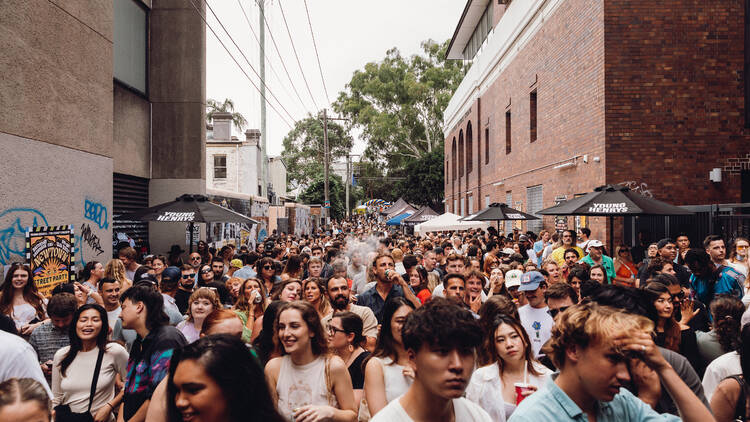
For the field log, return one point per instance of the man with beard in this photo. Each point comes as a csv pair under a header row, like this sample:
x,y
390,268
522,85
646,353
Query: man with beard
x,y
338,295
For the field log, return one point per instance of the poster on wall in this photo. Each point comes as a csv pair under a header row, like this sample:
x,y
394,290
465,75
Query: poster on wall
x,y
51,256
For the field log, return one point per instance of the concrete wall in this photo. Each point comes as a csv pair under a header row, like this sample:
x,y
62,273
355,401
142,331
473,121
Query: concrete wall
x,y
231,182
132,138
51,185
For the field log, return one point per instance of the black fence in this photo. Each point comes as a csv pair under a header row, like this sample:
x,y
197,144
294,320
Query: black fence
x,y
728,220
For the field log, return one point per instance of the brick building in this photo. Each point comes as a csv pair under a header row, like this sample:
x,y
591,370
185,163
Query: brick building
x,y
566,95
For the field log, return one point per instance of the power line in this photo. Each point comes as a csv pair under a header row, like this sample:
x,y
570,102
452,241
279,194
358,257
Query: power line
x,y
278,53
296,56
236,62
317,57
263,83
273,69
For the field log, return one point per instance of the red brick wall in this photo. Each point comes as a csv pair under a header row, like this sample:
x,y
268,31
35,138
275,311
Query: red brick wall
x,y
564,62
674,96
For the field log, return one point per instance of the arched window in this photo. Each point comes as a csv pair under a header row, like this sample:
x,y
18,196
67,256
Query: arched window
x,y
461,152
453,159
469,150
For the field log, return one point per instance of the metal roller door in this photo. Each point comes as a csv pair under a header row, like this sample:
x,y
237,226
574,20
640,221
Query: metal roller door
x,y
129,193
534,203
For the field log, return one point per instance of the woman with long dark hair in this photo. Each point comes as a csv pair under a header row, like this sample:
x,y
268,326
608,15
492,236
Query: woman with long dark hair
x,y
216,379
314,293
74,365
418,282
493,386
20,300
388,373
347,341
250,306
293,268
159,263
670,333
288,291
90,275
307,383
266,269
265,343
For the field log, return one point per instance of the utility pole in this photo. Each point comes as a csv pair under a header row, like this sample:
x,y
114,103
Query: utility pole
x,y
326,161
348,180
263,134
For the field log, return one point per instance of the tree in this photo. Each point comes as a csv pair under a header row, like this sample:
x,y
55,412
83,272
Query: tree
x,y
398,103
423,183
371,178
303,149
213,106
314,194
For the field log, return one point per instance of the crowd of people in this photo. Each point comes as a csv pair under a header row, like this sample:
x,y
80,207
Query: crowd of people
x,y
357,324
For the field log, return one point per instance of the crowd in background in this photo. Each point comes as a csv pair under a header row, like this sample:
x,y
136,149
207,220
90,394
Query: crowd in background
x,y
356,323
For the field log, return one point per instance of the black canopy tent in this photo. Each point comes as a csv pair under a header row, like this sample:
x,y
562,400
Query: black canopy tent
x,y
499,212
189,209
613,201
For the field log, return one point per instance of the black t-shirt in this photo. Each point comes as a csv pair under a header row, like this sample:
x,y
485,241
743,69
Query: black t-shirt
x,y
182,298
7,324
357,372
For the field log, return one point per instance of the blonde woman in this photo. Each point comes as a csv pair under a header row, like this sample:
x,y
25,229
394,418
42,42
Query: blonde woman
x,y
252,302
201,303
115,270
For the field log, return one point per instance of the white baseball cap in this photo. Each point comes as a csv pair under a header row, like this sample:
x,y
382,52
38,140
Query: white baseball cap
x,y
513,278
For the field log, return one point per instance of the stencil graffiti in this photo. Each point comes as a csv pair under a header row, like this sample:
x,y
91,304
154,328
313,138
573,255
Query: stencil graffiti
x,y
13,224
641,188
97,213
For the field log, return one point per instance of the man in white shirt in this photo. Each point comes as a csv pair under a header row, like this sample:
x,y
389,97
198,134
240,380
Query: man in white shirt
x,y
440,338
534,316
110,291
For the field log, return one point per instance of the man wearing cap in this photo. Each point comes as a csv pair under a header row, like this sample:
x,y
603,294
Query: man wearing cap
x,y
667,249
534,316
234,265
525,244
512,283
596,257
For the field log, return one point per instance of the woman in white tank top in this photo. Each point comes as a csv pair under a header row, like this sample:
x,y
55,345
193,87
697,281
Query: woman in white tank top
x,y
387,373
307,382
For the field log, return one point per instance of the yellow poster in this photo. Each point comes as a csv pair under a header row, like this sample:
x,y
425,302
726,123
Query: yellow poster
x,y
50,254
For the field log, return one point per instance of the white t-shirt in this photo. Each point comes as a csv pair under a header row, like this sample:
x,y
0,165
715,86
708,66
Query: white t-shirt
x,y
464,410
532,256
18,360
538,325
112,317
720,368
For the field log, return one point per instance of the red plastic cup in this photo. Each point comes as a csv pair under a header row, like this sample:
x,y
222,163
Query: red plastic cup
x,y
520,389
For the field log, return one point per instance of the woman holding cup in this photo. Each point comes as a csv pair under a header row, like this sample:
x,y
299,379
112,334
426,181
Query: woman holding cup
x,y
513,376
250,306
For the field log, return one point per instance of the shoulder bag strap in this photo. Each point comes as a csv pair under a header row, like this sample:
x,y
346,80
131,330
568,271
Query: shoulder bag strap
x,y
739,409
97,369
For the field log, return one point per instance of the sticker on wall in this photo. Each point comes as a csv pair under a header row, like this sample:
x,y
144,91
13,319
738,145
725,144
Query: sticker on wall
x,y
50,253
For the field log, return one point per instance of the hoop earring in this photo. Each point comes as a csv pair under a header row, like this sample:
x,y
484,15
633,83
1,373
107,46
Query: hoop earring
x,y
350,348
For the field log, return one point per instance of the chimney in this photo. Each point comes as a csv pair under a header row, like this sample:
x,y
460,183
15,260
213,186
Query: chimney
x,y
252,136
222,127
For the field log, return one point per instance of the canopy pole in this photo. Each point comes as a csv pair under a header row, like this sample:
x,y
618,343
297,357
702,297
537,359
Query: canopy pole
x,y
611,234
190,227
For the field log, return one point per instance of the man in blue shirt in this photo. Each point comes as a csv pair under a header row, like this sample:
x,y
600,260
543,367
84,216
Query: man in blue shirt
x,y
596,348
707,280
389,284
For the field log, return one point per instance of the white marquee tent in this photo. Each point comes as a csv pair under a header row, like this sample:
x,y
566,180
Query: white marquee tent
x,y
449,221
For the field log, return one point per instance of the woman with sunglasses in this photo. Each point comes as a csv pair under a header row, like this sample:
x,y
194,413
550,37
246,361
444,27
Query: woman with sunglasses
x,y
203,251
346,340
625,270
738,258
493,387
266,270
73,366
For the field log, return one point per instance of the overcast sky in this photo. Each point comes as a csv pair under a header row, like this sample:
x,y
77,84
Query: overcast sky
x,y
348,33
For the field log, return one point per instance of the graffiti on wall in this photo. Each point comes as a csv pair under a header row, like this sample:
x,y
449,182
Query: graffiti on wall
x,y
13,224
641,188
96,212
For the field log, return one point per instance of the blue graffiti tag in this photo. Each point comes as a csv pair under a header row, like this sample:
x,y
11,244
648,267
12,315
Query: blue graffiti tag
x,y
13,234
96,212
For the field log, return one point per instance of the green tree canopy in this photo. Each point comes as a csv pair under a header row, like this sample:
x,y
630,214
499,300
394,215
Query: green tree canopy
x,y
303,149
314,194
423,183
213,106
398,103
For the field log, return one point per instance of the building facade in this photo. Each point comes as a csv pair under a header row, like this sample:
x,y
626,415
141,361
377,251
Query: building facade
x,y
104,104
563,96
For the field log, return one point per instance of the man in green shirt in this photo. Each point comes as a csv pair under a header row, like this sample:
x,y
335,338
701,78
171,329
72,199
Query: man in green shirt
x,y
596,257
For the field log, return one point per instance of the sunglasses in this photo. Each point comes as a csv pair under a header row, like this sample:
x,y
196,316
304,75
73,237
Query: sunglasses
x,y
553,312
195,258
186,276
206,271
267,267
742,247
679,296
624,250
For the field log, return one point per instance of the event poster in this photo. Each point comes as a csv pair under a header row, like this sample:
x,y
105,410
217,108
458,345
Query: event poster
x,y
50,254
